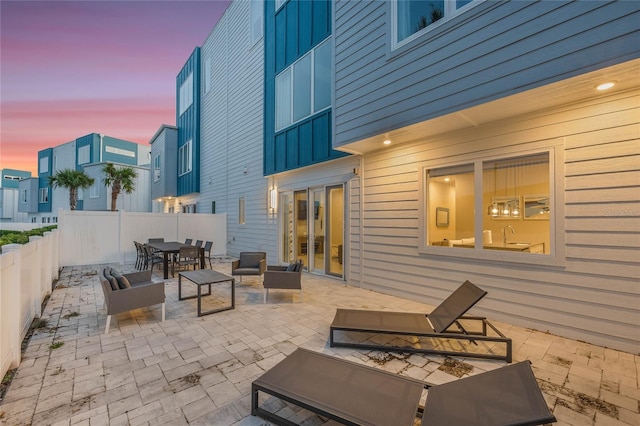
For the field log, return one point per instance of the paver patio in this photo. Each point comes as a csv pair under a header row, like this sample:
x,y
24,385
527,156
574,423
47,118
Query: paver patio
x,y
198,371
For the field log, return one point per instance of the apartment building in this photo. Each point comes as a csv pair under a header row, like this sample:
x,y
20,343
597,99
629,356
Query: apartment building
x,y
89,153
406,146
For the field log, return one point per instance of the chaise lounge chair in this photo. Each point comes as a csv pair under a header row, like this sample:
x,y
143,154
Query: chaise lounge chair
x,y
356,394
438,325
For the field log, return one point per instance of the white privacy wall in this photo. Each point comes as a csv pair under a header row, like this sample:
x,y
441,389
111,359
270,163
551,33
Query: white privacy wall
x,y
107,237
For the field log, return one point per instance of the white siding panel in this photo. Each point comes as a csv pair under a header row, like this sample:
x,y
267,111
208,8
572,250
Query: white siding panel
x,y
594,295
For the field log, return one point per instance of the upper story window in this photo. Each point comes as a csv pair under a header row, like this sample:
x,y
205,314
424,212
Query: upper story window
x,y
156,168
43,195
44,165
120,151
184,159
415,16
186,94
257,8
23,196
83,154
497,207
279,3
304,88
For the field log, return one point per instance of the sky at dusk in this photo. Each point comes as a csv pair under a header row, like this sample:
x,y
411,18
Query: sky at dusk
x,y
70,68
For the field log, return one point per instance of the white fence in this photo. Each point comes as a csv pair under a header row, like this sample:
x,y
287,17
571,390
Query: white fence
x,y
91,237
26,275
83,238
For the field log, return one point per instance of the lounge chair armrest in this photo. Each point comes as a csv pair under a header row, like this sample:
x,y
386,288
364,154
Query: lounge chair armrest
x,y
262,266
235,264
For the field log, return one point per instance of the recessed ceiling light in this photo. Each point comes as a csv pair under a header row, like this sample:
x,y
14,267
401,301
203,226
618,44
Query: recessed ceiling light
x,y
447,179
387,142
605,86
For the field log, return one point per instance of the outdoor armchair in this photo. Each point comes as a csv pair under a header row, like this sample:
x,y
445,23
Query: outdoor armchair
x,y
252,263
283,277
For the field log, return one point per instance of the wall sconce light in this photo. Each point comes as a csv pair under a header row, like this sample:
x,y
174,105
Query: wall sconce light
x,y
273,200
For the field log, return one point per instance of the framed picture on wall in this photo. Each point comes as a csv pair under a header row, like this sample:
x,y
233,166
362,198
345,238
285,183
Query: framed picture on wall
x,y
442,216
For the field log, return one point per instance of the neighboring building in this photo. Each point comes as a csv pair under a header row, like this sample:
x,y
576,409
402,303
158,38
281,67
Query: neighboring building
x,y
9,178
9,195
41,202
408,146
164,167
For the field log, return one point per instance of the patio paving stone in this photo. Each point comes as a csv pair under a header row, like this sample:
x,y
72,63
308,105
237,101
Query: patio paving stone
x,y
198,371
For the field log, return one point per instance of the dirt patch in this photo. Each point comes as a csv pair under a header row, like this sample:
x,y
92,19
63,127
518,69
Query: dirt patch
x,y
577,401
192,379
381,358
560,361
455,368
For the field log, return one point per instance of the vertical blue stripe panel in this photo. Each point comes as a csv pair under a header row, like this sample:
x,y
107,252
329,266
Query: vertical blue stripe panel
x,y
292,148
280,40
321,27
281,152
43,179
188,124
305,24
291,48
306,140
320,131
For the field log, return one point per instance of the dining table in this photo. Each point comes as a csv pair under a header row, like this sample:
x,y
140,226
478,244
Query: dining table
x,y
168,249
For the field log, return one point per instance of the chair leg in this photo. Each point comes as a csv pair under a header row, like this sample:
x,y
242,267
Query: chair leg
x,y
301,297
264,295
163,311
106,329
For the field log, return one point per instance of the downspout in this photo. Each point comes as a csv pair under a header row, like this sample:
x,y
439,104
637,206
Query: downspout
x,y
361,176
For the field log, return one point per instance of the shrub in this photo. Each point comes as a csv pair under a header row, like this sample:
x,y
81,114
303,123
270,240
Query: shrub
x,y
22,237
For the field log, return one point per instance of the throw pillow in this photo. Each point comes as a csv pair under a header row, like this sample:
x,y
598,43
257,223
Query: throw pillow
x,y
111,279
298,266
123,282
292,267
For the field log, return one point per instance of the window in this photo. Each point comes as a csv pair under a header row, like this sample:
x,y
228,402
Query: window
x,y
257,7
414,16
156,168
304,88
186,94
83,154
189,208
493,205
55,219
44,165
44,195
33,220
207,75
241,211
279,3
184,159
119,151
94,190
23,196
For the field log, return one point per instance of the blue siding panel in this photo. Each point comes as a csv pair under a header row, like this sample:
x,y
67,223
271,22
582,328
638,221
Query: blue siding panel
x,y
305,24
296,28
321,21
188,124
306,138
43,179
291,40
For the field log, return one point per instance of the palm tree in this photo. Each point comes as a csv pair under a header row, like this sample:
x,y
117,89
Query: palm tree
x,y
119,179
72,179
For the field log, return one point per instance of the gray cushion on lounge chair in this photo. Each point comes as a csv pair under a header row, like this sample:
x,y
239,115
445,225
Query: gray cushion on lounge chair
x,y
292,267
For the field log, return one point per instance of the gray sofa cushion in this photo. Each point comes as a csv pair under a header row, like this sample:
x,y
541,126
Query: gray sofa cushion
x,y
298,266
112,280
292,267
123,282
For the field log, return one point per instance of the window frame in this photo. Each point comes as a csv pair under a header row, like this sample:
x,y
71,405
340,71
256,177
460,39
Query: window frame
x,y
157,173
557,253
44,165
449,14
43,195
84,154
292,88
94,190
181,158
256,20
24,196
185,94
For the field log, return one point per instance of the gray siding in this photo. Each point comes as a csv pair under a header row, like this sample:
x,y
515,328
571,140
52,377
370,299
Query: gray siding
x,y
593,297
232,131
165,143
493,50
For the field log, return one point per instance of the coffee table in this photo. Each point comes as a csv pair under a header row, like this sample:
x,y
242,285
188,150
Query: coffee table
x,y
206,277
